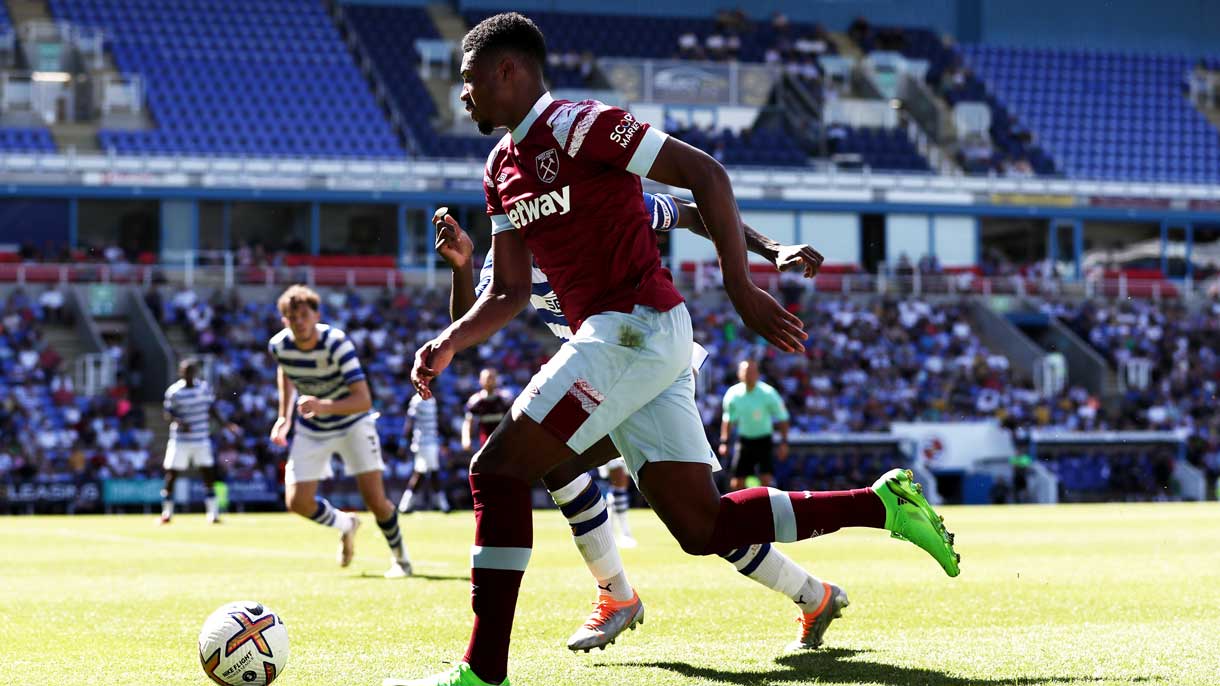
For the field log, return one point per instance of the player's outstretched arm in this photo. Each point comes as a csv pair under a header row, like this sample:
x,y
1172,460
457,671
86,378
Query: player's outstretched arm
x,y
504,297
784,257
455,247
283,422
678,164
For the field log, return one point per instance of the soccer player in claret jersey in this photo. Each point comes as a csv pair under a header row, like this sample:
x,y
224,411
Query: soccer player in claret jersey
x,y
333,416
563,187
484,410
618,607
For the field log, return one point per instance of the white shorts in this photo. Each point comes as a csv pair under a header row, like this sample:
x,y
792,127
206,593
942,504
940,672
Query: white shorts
x,y
358,446
427,458
183,455
617,463
627,376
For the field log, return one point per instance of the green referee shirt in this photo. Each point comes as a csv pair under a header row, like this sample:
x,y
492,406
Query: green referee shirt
x,y
754,412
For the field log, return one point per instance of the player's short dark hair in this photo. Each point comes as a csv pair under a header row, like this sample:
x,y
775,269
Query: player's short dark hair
x,y
188,363
507,31
297,295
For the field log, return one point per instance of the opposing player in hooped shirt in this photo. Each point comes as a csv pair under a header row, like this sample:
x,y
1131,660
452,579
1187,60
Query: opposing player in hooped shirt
x,y
761,563
626,370
189,403
333,416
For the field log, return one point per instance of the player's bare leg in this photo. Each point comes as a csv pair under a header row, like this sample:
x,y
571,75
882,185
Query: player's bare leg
x,y
741,526
620,497
302,498
617,607
518,453
406,504
438,491
372,490
167,496
209,476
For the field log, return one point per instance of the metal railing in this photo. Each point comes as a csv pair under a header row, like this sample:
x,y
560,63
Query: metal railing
x,y
962,284
93,373
218,269
419,174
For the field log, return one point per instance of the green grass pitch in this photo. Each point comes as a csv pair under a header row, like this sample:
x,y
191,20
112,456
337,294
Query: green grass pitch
x,y
1112,594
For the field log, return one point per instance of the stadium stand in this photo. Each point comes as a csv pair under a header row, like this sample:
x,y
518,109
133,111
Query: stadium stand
x,y
26,140
49,433
1104,115
1179,348
386,331
877,361
883,149
269,78
1011,142
389,34
22,139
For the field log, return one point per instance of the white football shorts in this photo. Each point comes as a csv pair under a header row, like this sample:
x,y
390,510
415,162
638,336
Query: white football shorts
x,y
627,376
358,446
427,458
183,455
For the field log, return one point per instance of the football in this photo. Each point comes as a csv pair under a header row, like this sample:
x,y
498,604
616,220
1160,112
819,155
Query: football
x,y
243,643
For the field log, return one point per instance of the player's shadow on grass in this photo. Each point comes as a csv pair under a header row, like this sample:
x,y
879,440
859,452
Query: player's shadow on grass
x,y
417,575
829,667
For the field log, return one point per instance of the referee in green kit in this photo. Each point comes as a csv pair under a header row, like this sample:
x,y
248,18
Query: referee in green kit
x,y
757,410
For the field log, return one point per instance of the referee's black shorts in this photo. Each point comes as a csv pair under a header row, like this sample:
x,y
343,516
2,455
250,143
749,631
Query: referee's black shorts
x,y
753,457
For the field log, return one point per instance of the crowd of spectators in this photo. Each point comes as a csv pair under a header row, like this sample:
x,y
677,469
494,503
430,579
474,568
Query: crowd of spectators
x,y
1166,355
873,361
50,433
386,330
877,361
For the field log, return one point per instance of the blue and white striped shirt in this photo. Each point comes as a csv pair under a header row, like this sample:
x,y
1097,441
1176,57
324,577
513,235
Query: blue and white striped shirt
x,y
189,405
325,372
423,414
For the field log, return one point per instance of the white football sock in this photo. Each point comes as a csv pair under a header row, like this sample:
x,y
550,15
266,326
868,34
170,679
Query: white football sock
x,y
620,502
327,515
212,506
775,570
582,503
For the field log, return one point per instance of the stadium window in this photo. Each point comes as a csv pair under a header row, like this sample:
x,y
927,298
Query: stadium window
x,y
359,230
1121,245
269,227
1007,243
1205,251
1175,252
211,228
133,226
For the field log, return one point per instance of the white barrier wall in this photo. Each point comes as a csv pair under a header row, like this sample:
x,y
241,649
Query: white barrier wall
x,y
906,234
834,234
955,240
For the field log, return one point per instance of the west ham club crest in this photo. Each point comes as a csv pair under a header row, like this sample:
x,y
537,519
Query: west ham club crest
x,y
547,165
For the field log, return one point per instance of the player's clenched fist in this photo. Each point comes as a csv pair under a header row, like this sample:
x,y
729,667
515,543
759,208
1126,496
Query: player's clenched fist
x,y
279,432
430,361
452,243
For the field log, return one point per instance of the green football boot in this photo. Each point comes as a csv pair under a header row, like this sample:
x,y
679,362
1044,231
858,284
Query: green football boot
x,y
459,675
909,517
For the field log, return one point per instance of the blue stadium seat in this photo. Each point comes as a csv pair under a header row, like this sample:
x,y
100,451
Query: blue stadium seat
x,y
226,76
